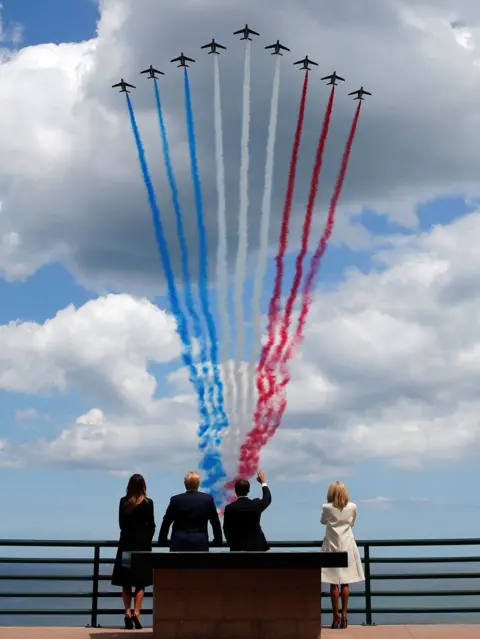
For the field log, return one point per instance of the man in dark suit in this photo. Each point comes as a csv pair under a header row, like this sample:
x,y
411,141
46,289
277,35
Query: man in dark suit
x,y
241,519
190,512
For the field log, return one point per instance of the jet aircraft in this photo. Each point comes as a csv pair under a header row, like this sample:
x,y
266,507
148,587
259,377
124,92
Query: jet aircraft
x,y
213,46
277,46
183,60
306,61
124,86
246,33
333,77
151,72
361,92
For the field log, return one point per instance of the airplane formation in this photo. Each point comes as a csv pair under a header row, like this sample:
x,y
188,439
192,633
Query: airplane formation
x,y
246,32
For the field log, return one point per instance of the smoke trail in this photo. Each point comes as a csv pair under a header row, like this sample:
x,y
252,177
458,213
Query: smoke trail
x,y
307,223
260,435
211,461
187,283
264,231
322,245
274,306
241,264
222,264
275,299
182,328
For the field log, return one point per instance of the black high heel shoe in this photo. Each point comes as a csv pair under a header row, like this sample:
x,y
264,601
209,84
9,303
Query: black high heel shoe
x,y
128,623
344,623
136,622
336,623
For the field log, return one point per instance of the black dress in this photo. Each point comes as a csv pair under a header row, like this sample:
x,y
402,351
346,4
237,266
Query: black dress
x,y
137,528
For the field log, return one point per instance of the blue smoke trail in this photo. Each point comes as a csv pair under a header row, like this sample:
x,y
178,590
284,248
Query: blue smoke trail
x,y
182,327
211,461
189,302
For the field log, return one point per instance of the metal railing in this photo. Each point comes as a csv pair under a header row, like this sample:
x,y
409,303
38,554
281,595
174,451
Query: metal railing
x,y
95,593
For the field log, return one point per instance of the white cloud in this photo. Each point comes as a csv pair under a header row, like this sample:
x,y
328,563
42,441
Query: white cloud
x,y
389,370
117,444
77,134
390,366
102,348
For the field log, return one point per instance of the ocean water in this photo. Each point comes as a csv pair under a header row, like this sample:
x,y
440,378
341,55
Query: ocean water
x,y
24,592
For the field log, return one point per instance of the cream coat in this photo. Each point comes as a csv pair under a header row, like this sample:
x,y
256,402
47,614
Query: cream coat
x,y
339,538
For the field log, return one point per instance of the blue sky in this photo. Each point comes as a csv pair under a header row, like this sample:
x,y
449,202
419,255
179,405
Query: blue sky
x,y
83,503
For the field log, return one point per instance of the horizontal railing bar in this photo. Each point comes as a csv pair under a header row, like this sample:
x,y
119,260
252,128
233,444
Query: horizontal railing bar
x,y
358,595
49,595
149,611
45,560
377,543
419,593
432,575
351,611
108,611
424,611
424,560
107,561
48,578
383,577
42,611
398,543
55,543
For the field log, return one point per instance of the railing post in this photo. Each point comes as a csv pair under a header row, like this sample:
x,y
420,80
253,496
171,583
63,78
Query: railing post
x,y
95,582
368,587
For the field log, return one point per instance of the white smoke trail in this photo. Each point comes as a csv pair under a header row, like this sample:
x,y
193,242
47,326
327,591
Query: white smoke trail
x,y
222,265
263,249
241,265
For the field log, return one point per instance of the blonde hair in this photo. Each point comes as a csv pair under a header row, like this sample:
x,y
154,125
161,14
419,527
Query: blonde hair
x,y
338,495
192,480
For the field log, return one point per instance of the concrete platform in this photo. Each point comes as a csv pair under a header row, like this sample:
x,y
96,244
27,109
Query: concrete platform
x,y
354,632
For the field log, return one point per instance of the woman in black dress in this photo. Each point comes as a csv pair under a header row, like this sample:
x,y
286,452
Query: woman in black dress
x,y
137,527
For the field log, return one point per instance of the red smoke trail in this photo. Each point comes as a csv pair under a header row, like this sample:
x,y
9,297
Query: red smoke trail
x,y
322,245
260,435
307,223
274,306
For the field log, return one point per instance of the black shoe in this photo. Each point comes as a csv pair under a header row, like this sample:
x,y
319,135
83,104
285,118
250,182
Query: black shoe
x,y
128,623
336,623
136,622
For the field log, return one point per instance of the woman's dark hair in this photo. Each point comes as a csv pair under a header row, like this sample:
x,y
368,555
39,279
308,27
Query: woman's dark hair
x,y
136,492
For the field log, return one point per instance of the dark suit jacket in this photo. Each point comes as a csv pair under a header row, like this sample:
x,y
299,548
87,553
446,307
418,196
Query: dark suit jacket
x,y
190,513
241,522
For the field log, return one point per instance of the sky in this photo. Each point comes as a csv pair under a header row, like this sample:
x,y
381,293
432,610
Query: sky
x,y
384,388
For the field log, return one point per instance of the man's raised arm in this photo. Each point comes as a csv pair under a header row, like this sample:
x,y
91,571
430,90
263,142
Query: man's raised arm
x,y
266,499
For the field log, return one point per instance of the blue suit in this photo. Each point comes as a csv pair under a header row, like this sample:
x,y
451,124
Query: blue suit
x,y
189,514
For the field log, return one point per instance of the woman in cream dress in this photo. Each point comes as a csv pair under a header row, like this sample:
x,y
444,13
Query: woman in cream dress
x,y
338,515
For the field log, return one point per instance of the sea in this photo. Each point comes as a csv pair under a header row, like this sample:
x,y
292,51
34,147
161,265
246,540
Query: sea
x,y
18,595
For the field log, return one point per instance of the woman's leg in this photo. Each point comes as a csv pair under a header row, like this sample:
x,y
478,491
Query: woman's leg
x,y
345,592
334,594
127,599
138,600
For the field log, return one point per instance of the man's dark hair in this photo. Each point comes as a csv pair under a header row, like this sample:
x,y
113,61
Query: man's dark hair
x,y
242,487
